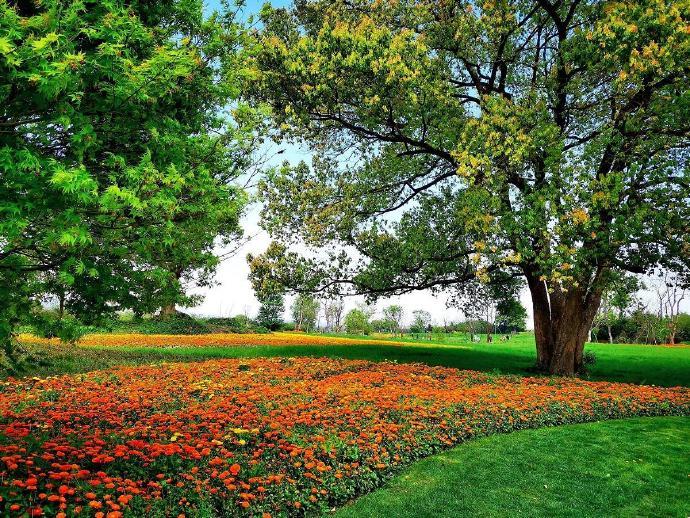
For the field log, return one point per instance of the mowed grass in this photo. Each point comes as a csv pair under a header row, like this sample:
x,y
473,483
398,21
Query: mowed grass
x,y
630,467
641,364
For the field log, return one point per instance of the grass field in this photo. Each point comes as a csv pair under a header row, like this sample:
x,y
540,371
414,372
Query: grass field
x,y
631,467
642,364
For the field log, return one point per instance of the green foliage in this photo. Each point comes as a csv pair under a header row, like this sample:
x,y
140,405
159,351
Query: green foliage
x,y
357,322
116,162
384,325
236,324
510,316
589,358
305,311
177,324
640,327
182,324
621,292
50,324
271,311
393,316
421,321
683,331
546,140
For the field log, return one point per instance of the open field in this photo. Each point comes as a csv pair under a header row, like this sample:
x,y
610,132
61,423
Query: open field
x,y
146,427
215,340
643,364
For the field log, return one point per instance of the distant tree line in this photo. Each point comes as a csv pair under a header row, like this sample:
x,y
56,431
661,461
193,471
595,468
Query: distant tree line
x,y
310,313
625,317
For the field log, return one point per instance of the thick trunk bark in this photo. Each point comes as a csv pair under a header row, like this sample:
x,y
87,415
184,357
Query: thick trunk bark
x,y
542,322
672,336
562,321
169,310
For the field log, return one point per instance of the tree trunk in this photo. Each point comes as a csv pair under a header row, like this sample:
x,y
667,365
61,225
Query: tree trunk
x,y
61,306
562,321
608,327
168,310
672,334
542,322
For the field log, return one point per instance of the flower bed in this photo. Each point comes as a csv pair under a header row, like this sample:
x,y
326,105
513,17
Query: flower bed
x,y
266,436
211,340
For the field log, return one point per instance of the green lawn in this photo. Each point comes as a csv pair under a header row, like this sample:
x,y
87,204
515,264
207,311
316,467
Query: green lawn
x,y
664,366
631,467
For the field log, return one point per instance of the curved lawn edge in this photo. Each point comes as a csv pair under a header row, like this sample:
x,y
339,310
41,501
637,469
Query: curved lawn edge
x,y
620,467
322,430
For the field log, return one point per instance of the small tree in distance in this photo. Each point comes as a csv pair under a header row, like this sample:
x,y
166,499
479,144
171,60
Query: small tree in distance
x,y
333,312
671,290
271,311
305,310
421,321
510,316
357,322
394,315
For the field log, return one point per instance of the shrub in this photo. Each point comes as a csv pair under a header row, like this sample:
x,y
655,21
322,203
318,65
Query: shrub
x,y
683,331
357,322
288,326
236,324
50,324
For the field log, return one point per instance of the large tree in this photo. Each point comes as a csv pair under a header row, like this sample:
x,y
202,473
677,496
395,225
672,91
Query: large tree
x,y
545,139
113,144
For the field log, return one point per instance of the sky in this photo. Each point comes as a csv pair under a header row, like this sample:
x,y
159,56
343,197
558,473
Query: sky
x,y
233,295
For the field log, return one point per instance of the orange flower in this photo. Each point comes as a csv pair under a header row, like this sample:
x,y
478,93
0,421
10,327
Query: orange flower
x,y
213,340
269,434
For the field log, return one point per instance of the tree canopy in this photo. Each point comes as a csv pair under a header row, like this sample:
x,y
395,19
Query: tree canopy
x,y
117,152
455,141
305,312
271,311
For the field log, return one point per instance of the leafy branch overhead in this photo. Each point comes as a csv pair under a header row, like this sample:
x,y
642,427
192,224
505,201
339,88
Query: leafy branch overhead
x,y
118,155
547,140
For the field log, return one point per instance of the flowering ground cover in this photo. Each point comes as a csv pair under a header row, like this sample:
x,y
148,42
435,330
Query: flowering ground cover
x,y
211,340
264,436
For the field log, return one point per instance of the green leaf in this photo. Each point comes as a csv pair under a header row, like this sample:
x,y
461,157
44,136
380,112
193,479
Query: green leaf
x,y
5,46
42,43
